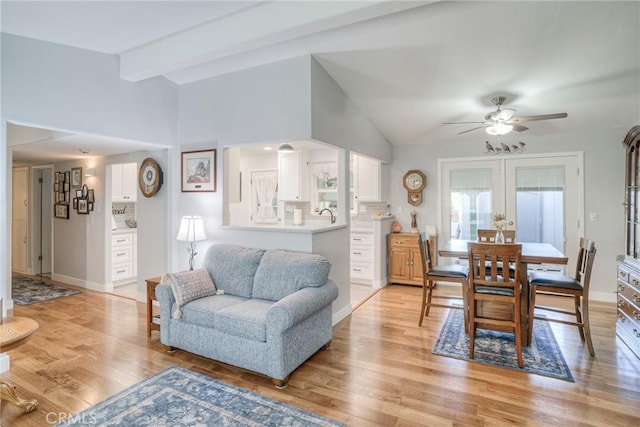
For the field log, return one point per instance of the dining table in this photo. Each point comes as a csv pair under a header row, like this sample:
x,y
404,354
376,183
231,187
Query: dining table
x,y
532,253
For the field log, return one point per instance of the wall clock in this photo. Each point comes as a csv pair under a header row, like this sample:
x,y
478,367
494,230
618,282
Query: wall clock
x,y
149,177
414,181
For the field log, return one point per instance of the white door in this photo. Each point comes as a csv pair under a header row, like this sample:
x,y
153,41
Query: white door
x,y
544,200
19,220
541,196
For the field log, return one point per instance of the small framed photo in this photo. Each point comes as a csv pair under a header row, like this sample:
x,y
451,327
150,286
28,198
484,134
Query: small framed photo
x,y
59,177
61,211
83,206
79,193
75,203
199,171
56,187
76,177
90,205
67,176
65,186
90,197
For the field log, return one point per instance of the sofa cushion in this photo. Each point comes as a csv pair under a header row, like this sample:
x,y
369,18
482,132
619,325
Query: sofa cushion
x,y
203,311
188,286
247,319
282,273
232,268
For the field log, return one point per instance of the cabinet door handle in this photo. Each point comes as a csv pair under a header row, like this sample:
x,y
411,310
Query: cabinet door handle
x,y
357,253
120,271
356,269
621,303
636,298
621,318
621,288
356,238
636,314
635,282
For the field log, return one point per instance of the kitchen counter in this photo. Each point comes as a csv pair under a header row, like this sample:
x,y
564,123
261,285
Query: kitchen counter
x,y
309,228
124,230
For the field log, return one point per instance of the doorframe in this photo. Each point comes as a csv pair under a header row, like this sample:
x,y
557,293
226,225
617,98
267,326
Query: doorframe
x,y
580,182
33,217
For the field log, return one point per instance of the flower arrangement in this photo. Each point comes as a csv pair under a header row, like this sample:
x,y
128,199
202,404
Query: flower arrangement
x,y
499,220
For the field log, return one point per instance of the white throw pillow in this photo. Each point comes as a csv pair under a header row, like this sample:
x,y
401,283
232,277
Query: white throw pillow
x,y
188,286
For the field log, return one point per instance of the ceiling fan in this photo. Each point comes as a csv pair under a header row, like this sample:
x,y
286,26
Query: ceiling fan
x,y
502,121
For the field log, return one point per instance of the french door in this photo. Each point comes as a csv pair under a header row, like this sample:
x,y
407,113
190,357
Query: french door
x,y
541,196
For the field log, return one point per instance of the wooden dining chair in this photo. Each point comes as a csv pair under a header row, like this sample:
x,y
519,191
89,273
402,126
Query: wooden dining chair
x,y
560,285
489,235
445,273
488,285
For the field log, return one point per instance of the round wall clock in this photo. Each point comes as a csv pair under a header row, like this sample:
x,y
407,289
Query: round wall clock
x,y
414,181
149,177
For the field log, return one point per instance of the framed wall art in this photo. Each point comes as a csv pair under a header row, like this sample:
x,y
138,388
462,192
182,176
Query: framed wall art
x,y
61,211
199,171
76,177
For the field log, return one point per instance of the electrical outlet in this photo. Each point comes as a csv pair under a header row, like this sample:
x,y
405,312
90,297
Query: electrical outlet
x,y
593,216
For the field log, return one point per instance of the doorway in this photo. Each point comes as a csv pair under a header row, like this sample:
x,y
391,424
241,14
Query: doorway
x,y
541,197
42,224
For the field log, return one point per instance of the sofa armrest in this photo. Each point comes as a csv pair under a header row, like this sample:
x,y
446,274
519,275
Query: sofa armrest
x,y
300,305
165,297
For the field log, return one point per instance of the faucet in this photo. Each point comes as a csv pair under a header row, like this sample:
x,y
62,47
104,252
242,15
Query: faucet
x,y
333,218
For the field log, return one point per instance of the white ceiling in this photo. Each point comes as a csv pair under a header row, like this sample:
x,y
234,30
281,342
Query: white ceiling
x,y
410,65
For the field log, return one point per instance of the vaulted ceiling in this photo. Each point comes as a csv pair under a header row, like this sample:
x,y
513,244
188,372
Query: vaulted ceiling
x,y
409,65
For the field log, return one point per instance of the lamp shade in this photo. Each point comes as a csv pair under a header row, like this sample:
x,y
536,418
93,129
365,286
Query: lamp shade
x,y
499,128
191,229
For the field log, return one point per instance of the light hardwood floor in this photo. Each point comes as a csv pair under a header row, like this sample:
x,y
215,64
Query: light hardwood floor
x,y
379,370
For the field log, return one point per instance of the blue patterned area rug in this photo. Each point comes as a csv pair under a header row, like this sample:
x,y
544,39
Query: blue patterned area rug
x,y
542,356
27,291
179,397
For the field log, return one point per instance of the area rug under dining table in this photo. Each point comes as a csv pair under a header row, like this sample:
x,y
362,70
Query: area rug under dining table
x,y
542,357
179,397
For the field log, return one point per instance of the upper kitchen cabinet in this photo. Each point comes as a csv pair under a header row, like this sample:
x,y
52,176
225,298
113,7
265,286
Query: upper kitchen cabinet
x,y
124,182
367,185
293,176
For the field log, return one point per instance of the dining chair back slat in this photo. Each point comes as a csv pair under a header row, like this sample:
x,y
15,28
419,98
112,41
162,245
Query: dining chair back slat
x,y
486,283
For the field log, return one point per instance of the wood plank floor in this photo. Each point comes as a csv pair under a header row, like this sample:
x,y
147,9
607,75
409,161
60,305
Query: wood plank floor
x,y
379,370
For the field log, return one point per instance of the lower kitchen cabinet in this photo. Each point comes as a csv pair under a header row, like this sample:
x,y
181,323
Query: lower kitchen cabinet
x,y
404,262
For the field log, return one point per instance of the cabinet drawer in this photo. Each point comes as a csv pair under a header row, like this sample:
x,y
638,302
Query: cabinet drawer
x,y
361,239
631,310
362,253
623,274
120,254
121,271
361,270
121,240
630,328
629,292
411,241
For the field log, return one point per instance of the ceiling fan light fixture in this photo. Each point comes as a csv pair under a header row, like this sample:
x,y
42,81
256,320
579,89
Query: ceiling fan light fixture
x,y
286,148
499,129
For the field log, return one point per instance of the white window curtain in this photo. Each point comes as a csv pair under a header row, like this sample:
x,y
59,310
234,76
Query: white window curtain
x,y
265,186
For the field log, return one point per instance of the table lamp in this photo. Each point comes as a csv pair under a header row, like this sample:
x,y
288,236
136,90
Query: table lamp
x,y
191,230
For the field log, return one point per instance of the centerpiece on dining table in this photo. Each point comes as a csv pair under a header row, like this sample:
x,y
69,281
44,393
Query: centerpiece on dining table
x,y
499,221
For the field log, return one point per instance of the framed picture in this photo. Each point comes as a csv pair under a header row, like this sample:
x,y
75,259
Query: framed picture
x,y
90,205
76,177
83,206
199,171
61,211
65,187
90,197
56,187
67,176
75,203
79,193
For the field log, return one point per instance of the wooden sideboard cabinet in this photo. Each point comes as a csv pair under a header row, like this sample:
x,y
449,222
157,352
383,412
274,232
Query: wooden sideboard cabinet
x,y
628,282
404,258
628,319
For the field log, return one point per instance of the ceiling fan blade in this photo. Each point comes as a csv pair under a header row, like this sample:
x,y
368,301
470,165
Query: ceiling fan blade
x,y
461,123
469,130
540,117
519,128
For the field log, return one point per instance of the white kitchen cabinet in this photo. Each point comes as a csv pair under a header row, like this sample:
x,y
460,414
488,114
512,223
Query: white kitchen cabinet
x,y
368,183
123,256
293,177
362,261
124,182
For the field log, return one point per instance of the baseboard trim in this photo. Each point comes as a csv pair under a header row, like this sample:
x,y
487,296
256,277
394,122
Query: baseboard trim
x,y
93,286
341,314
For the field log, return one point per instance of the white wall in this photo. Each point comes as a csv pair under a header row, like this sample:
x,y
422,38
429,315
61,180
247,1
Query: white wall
x,y
336,119
72,89
603,183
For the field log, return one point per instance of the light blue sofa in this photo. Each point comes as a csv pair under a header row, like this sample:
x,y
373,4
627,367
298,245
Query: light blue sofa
x,y
274,313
